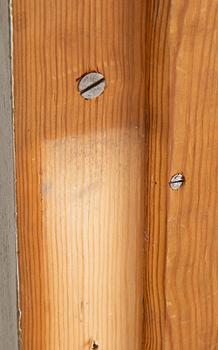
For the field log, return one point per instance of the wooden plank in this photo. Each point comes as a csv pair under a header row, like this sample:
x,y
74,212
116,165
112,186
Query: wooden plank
x,y
93,176
192,225
181,275
157,125
80,173
8,288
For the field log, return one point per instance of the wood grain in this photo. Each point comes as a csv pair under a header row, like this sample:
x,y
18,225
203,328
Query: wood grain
x,y
181,262
80,173
107,250
157,125
191,278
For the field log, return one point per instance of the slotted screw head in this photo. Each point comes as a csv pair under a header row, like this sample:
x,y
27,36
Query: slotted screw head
x,y
177,181
91,85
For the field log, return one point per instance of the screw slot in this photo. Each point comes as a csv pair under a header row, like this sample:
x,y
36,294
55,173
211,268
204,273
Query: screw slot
x,y
91,85
177,181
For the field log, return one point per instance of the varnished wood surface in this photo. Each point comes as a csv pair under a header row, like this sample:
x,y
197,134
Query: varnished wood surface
x,y
157,126
181,261
80,173
107,250
191,280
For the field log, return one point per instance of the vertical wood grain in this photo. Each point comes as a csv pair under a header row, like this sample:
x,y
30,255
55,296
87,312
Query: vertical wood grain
x,y
107,249
192,214
157,126
80,173
181,261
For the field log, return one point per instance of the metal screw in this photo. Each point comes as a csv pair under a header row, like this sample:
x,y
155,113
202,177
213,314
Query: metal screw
x,y
177,181
91,85
94,345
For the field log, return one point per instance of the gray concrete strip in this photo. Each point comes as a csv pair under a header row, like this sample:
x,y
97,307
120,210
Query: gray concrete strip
x,y
8,263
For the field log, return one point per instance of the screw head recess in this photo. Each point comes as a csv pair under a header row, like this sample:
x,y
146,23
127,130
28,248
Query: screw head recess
x,y
91,85
177,181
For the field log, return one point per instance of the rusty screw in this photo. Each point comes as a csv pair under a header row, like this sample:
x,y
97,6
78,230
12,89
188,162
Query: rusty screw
x,y
91,85
177,181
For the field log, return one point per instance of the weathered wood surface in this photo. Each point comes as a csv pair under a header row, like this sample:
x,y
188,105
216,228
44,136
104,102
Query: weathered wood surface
x,y
8,294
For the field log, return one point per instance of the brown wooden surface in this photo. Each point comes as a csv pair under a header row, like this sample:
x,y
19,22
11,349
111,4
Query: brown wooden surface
x,y
80,173
107,250
157,126
181,301
191,280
